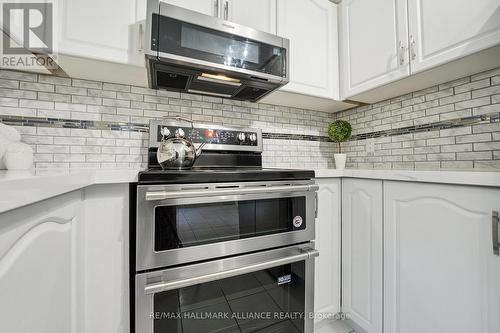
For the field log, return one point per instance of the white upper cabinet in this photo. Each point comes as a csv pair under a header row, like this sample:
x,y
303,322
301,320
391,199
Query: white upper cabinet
x,y
374,39
207,7
103,30
257,14
311,26
446,30
362,253
440,270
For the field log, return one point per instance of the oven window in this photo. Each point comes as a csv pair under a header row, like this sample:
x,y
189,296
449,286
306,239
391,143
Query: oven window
x,y
191,225
271,300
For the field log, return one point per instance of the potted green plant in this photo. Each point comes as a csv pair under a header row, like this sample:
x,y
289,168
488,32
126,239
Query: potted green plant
x,y
339,131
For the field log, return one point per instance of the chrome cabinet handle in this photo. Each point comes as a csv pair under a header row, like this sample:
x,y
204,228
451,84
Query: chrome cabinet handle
x,y
226,10
216,8
495,220
163,195
316,204
304,254
412,48
401,53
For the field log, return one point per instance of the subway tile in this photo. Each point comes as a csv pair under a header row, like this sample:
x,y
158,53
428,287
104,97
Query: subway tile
x,y
457,165
18,93
71,90
487,109
472,156
455,131
6,101
486,91
86,84
485,74
116,87
54,80
472,103
465,147
101,93
495,145
487,165
29,103
44,96
36,86
22,76
472,86
455,98
473,138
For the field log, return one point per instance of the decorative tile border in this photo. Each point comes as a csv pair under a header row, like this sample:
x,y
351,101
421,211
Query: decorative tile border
x,y
73,123
135,127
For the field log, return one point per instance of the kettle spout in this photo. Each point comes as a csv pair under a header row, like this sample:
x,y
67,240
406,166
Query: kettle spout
x,y
199,150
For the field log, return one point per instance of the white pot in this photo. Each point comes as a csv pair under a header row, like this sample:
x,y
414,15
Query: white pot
x,y
340,161
19,156
3,148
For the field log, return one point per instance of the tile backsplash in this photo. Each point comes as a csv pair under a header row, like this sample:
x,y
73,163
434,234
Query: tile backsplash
x,y
455,125
73,123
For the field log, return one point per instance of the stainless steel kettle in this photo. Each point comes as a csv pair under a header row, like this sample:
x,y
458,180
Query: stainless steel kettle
x,y
175,151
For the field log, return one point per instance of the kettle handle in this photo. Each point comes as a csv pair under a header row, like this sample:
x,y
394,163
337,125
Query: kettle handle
x,y
177,118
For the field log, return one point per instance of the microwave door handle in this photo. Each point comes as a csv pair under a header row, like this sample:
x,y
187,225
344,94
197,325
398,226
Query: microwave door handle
x,y
163,195
303,254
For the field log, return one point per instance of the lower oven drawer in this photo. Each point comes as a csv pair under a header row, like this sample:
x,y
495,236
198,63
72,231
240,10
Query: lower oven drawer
x,y
270,291
178,224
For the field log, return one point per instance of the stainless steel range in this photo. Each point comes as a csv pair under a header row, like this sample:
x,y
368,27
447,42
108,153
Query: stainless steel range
x,y
224,246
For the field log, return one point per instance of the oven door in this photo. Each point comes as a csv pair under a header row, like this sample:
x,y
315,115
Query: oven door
x,y
177,224
270,291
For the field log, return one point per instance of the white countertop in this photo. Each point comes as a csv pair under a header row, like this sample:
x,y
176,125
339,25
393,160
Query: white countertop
x,y
477,178
20,188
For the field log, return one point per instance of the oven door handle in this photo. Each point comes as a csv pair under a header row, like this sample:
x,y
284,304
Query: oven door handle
x,y
163,195
304,254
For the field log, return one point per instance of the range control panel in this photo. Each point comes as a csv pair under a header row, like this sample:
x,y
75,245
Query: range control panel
x,y
216,138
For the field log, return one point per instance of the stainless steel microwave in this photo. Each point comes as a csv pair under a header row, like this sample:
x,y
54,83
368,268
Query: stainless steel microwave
x,y
195,53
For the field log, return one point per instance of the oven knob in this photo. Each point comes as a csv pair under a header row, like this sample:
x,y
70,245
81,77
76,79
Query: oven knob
x,y
241,137
165,131
253,137
179,133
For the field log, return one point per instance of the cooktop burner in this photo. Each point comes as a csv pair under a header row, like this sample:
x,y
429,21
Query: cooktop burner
x,y
211,175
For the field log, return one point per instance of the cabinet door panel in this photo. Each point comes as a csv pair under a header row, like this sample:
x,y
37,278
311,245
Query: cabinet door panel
x,y
257,14
327,275
440,271
372,33
311,26
207,7
444,30
362,249
39,260
86,30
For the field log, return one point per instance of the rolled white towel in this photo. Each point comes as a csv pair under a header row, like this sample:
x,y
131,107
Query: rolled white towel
x,y
3,148
19,156
9,133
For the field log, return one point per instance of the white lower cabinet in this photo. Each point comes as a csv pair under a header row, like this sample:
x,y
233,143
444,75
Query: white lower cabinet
x,y
327,275
362,251
440,272
41,288
64,264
